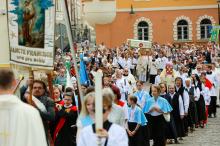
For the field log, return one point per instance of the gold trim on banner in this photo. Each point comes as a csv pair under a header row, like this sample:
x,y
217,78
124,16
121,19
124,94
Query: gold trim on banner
x,y
4,65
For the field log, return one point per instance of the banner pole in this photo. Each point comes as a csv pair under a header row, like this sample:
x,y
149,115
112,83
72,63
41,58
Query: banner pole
x,y
31,77
70,38
50,83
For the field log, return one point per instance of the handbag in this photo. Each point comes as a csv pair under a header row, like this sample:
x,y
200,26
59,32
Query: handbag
x,y
166,117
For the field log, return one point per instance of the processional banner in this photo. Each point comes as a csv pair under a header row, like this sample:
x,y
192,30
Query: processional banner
x,y
215,33
139,43
31,32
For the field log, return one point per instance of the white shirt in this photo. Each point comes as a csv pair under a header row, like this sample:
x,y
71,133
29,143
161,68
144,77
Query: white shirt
x,y
117,115
181,106
73,80
184,76
141,65
20,123
124,87
127,63
196,72
153,68
154,113
186,101
131,80
159,63
132,115
115,62
121,61
125,109
206,94
196,93
117,136
157,80
141,102
214,80
217,73
164,61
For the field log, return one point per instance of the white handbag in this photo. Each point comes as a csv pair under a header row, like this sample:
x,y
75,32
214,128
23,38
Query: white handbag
x,y
167,116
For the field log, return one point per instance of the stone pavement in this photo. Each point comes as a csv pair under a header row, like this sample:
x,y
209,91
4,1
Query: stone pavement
x,y
209,136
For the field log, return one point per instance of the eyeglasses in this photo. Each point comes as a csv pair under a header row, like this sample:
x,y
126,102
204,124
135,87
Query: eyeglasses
x,y
67,99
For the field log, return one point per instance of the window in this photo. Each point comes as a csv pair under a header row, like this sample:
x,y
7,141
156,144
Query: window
x,y
58,5
143,31
182,30
205,27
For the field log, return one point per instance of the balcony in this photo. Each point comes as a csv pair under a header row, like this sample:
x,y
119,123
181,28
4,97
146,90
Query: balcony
x,y
99,11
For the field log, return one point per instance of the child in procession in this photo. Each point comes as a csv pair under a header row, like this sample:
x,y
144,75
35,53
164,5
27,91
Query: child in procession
x,y
136,124
65,132
157,108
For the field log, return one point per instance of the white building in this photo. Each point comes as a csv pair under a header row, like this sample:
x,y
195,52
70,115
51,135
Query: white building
x,y
4,44
78,24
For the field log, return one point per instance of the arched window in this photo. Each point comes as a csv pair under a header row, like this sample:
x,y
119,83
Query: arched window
x,y
205,27
182,30
143,31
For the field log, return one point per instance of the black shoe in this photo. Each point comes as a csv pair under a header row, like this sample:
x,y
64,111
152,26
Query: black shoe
x,y
210,116
180,138
191,129
218,106
215,116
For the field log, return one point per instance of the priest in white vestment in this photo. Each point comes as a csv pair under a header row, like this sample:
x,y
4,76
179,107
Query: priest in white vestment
x,y
20,124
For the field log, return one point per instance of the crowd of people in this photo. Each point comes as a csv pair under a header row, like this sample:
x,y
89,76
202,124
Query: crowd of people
x,y
160,93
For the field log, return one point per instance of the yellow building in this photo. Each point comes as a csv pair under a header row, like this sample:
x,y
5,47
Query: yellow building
x,y
162,21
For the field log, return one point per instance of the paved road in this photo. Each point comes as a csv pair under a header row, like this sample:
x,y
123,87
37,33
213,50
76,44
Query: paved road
x,y
209,136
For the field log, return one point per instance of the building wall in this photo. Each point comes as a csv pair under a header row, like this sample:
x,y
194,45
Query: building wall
x,y
4,43
121,4
122,27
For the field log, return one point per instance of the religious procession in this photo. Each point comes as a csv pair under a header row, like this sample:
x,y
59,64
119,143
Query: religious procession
x,y
120,90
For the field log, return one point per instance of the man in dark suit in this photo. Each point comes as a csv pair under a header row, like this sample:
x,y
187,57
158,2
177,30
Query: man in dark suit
x,y
207,55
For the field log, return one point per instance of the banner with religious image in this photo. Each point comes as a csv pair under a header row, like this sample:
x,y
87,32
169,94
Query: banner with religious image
x,y
31,32
215,33
139,44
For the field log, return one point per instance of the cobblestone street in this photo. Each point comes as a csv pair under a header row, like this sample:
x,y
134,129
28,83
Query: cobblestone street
x,y
209,136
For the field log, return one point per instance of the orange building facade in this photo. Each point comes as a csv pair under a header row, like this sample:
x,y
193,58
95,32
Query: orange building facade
x,y
162,21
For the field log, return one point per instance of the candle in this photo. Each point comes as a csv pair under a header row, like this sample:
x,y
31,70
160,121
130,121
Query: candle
x,y
98,101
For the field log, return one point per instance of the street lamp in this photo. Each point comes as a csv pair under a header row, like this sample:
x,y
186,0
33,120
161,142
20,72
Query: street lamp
x,y
132,10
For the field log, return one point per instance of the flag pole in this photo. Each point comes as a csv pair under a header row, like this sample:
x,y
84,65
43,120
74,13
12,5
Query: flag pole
x,y
70,38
